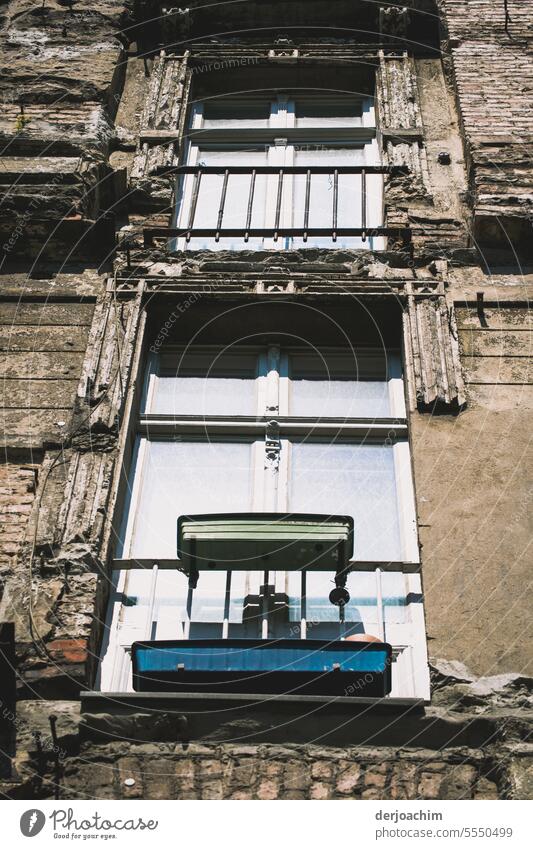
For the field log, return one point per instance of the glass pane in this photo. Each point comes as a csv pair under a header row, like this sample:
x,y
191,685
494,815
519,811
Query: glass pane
x,y
209,597
330,112
187,477
134,612
236,202
339,385
209,384
393,589
170,605
224,112
318,608
322,194
354,480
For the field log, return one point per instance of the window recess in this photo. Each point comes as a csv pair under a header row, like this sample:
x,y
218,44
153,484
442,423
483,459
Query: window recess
x,y
283,172
271,429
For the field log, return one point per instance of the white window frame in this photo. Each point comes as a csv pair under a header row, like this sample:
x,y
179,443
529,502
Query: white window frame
x,y
280,139
271,484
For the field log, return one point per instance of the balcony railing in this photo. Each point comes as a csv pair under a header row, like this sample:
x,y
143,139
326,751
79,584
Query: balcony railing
x,y
277,230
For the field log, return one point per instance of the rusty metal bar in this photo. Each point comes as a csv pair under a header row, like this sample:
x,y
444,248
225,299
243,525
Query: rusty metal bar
x,y
222,204
287,169
250,205
194,201
278,204
307,198
151,233
363,204
335,203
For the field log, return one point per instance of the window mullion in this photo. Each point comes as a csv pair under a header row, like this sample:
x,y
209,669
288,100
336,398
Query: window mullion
x,y
406,502
272,442
133,509
273,370
182,214
150,383
261,383
417,638
396,387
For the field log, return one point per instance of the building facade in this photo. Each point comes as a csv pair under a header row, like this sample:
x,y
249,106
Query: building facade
x,y
266,258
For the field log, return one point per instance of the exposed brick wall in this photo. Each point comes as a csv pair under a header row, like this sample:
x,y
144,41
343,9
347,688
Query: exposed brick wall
x,y
17,492
493,74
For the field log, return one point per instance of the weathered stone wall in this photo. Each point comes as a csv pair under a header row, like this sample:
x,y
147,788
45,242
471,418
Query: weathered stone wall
x,y
272,772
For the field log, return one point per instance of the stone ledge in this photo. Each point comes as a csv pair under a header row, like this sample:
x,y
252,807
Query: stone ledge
x,y
279,719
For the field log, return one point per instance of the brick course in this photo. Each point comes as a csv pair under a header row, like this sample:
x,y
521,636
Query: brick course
x,y
17,492
493,75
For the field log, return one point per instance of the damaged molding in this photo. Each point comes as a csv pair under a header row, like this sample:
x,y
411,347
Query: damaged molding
x,y
76,496
400,117
394,21
175,22
163,114
94,438
433,367
106,367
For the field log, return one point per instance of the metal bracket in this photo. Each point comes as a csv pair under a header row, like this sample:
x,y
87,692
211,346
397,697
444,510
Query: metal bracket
x,y
272,445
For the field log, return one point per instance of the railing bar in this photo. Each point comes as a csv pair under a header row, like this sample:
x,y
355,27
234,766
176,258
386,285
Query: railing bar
x,y
303,606
250,205
266,232
194,201
335,203
379,605
307,198
222,204
363,204
151,603
227,599
342,618
278,204
288,169
264,611
187,628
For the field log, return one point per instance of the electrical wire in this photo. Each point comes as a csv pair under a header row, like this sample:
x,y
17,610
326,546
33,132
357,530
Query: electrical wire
x,y
508,20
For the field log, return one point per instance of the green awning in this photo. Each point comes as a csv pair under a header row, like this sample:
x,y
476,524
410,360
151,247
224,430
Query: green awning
x,y
265,541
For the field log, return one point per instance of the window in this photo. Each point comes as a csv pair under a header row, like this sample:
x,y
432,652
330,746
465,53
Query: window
x,y
270,429
280,172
